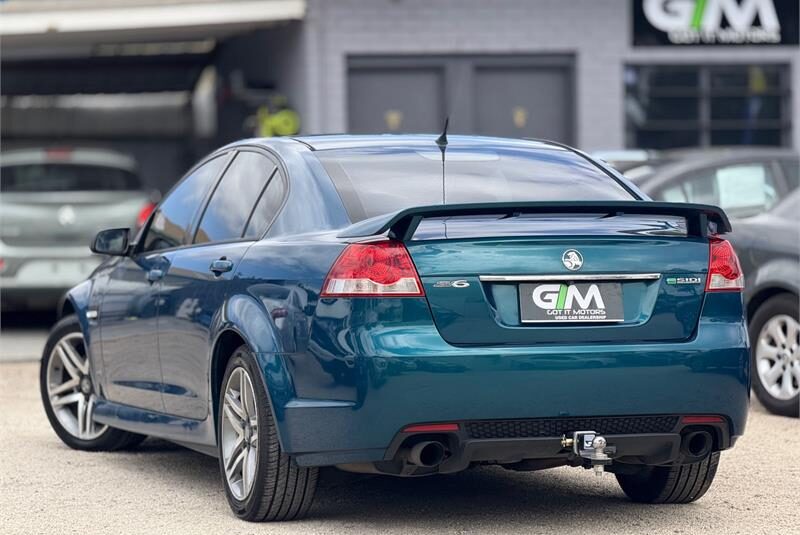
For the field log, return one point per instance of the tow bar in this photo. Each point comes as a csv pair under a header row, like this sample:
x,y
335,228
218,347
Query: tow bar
x,y
589,445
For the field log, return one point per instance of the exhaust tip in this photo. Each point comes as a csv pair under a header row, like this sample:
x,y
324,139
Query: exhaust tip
x,y
427,454
697,444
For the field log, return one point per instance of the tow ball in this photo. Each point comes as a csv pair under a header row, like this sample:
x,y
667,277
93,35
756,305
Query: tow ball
x,y
589,445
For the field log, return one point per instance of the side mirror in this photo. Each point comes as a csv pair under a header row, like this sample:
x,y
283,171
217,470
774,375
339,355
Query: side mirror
x,y
113,241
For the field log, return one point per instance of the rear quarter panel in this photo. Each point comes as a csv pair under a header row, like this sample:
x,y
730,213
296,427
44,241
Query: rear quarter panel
x,y
275,294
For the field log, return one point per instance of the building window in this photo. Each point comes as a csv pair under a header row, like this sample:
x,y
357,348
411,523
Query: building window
x,y
688,105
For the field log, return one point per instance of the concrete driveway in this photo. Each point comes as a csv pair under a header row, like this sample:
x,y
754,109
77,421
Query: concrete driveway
x,y
46,487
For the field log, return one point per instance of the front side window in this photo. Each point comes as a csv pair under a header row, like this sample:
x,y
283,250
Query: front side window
x,y
232,202
742,190
172,218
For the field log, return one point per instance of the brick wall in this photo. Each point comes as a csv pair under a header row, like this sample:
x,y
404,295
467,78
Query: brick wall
x,y
597,32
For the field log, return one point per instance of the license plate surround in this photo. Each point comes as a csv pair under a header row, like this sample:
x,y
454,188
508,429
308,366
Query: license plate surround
x,y
564,302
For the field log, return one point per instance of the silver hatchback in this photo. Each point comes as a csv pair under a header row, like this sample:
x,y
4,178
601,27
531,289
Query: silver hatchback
x,y
52,202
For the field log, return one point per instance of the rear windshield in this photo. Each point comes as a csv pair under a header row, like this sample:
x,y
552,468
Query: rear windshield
x,y
65,177
372,182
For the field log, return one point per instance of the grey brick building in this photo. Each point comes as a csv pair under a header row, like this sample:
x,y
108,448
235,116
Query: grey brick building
x,y
589,42
599,74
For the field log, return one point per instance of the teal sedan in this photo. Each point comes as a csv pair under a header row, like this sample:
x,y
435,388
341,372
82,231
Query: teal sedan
x,y
409,306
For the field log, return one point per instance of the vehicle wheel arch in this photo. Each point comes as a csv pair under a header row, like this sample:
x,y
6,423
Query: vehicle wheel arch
x,y
66,307
762,295
244,322
77,301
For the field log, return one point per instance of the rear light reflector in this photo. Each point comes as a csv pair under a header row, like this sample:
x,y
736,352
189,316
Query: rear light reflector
x,y
702,419
724,271
377,269
59,154
144,213
431,428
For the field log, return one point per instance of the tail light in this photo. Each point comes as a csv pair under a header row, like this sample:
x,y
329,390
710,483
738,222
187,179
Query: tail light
x,y
144,213
278,313
377,269
724,271
58,154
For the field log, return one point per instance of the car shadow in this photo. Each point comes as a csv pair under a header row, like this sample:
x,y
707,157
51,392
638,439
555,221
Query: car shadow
x,y
569,497
481,493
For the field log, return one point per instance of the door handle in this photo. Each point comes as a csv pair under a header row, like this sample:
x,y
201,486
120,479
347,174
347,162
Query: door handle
x,y
218,267
155,275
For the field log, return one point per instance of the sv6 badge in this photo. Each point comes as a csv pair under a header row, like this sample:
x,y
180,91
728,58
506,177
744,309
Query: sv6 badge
x,y
461,283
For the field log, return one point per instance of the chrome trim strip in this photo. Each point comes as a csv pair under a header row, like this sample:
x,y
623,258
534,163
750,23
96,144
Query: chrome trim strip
x,y
581,277
571,323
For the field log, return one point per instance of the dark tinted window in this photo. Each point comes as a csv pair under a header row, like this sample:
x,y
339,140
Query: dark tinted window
x,y
791,170
374,182
267,207
66,177
679,106
232,201
173,216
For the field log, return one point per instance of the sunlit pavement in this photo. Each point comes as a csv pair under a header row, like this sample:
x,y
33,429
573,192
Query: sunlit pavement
x,y
160,488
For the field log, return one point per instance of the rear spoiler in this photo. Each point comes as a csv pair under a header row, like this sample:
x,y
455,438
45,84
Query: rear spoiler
x,y
402,225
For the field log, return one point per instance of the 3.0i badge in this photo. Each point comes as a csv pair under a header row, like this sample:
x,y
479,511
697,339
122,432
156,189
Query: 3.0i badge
x,y
684,280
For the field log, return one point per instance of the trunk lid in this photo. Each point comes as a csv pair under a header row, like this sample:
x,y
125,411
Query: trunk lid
x,y
558,272
640,280
501,280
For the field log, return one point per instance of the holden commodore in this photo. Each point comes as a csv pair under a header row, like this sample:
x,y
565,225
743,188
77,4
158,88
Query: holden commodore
x,y
409,306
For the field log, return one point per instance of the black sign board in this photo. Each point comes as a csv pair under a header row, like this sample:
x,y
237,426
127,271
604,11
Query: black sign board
x,y
715,22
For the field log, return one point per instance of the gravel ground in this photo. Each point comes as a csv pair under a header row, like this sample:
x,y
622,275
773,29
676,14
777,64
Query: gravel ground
x,y
46,487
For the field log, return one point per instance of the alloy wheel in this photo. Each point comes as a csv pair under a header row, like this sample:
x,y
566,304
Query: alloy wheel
x,y
239,434
70,389
778,357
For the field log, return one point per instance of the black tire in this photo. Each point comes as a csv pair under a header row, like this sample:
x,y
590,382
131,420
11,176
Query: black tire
x,y
282,490
781,304
683,483
109,440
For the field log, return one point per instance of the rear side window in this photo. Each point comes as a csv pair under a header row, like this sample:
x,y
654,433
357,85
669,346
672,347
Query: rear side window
x,y
742,190
789,208
232,202
172,218
791,171
267,207
373,182
66,177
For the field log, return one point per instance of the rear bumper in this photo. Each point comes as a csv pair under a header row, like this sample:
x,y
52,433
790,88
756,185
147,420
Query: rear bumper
x,y
38,277
412,376
28,298
53,269
489,442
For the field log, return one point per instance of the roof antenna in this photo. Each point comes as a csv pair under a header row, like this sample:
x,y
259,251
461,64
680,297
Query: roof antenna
x,y
441,142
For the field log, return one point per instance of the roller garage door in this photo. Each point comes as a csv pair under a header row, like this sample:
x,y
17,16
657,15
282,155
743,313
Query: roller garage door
x,y
396,100
512,96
